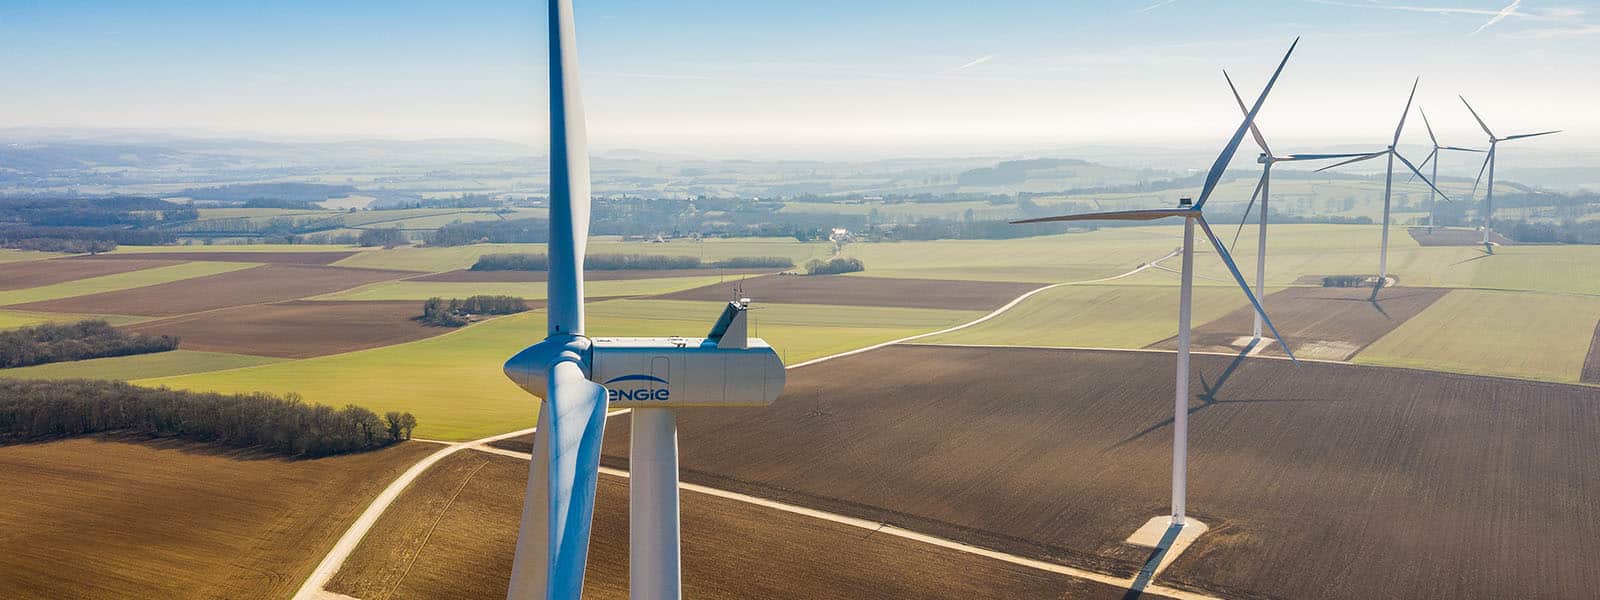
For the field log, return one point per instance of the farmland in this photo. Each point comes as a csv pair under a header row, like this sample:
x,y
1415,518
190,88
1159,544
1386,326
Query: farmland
x,y
1495,333
263,283
297,329
1097,316
422,290
468,506
118,281
140,366
21,275
928,438
591,275
304,257
107,518
1320,323
864,291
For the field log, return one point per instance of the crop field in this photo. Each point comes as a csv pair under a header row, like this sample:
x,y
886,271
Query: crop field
x,y
20,318
119,281
1514,334
863,291
1096,316
158,520
1320,323
435,260
297,329
140,366
452,534
464,276
1451,236
282,258
1358,481
37,273
262,284
1591,363
422,290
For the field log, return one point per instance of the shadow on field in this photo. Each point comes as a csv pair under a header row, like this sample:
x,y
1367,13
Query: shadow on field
x,y
1208,396
1148,571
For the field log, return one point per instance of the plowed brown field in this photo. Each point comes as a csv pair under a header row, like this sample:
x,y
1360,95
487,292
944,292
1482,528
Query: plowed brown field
x,y
35,273
465,276
91,518
277,258
453,532
297,329
1322,481
1320,322
257,285
865,291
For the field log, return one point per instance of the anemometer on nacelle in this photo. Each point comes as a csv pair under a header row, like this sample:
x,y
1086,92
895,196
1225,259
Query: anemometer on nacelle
x,y
725,368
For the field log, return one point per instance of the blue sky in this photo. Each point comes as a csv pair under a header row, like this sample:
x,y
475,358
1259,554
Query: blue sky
x,y
778,76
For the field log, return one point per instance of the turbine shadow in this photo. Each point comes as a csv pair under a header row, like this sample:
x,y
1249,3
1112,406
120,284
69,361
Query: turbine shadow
x,y
1478,257
1148,571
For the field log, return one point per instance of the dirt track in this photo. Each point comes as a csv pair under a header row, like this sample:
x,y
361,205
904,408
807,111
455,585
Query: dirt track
x,y
1321,323
1329,481
266,283
465,276
730,549
35,273
167,520
277,258
1441,236
297,329
864,291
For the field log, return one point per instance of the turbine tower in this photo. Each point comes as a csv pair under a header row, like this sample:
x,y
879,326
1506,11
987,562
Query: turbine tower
x,y
1192,215
1488,163
1388,182
651,375
1434,157
1263,190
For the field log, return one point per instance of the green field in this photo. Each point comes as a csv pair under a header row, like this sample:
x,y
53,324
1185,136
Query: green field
x,y
10,255
451,258
763,315
423,290
120,281
1095,316
1515,334
10,319
159,364
233,248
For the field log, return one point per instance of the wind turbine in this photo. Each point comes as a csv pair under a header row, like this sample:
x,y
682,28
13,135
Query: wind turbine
x,y
1388,182
1263,189
1488,162
1434,157
1192,215
651,375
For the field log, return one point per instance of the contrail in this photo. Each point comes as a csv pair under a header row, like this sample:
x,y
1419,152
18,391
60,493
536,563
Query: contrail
x,y
1504,12
977,61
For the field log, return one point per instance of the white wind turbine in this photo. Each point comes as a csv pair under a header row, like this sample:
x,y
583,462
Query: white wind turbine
x,y
1488,163
1193,215
1434,157
1263,191
1388,182
650,375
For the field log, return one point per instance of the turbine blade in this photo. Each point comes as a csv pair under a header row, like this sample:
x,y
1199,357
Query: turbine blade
x,y
1485,126
1460,149
1119,215
1528,135
1256,194
1352,161
1227,259
1254,131
1428,126
1486,158
1215,175
565,468
1322,156
1402,125
1418,173
1424,163
569,177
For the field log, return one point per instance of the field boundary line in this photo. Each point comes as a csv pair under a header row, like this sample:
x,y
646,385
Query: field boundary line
x,y
992,314
885,528
334,559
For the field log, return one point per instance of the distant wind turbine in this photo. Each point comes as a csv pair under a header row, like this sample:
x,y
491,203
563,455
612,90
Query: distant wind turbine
x,y
1434,157
1388,182
1488,163
1263,189
1192,215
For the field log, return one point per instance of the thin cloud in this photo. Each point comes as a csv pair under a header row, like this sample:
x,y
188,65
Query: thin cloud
x,y
1158,4
975,62
1509,10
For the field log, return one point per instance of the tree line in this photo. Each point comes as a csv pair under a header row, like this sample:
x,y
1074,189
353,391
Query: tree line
x,y
834,266
58,342
33,410
456,312
627,262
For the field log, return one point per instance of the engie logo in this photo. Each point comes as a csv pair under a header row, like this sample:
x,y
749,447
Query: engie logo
x,y
641,394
